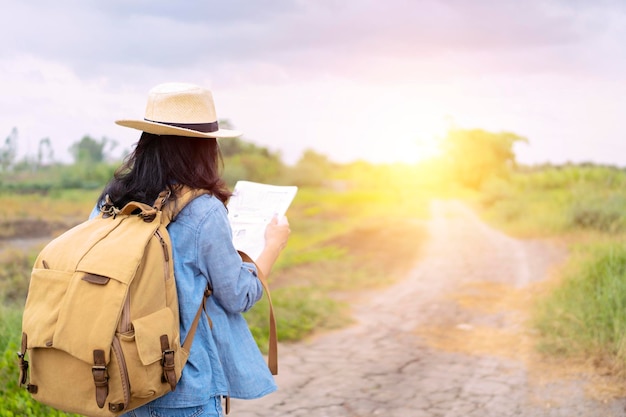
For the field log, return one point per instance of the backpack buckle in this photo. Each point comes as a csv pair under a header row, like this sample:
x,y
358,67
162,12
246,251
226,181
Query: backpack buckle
x,y
169,369
167,360
108,209
100,377
161,199
23,368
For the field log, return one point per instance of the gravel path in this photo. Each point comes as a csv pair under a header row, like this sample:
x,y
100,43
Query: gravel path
x,y
416,349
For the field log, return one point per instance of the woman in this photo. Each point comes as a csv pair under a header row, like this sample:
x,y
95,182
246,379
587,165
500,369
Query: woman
x,y
179,146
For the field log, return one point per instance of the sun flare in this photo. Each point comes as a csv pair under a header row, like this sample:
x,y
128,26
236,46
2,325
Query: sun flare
x,y
411,137
410,123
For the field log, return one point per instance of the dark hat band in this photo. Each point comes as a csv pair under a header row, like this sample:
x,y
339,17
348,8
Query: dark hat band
x,y
198,127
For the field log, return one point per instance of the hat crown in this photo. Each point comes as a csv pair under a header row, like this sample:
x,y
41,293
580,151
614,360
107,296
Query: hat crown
x,y
180,103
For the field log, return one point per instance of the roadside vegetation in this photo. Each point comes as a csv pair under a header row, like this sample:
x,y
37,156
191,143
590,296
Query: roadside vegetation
x,y
355,227
583,317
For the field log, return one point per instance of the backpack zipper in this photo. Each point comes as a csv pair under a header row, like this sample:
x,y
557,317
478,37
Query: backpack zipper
x,y
125,325
166,256
121,362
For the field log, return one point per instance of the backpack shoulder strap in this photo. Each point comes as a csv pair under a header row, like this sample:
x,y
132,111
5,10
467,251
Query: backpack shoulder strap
x,y
170,208
194,325
272,355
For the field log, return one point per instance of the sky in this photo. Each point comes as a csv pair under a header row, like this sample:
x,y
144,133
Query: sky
x,y
376,80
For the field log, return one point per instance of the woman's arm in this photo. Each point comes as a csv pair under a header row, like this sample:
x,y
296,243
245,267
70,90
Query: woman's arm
x,y
235,284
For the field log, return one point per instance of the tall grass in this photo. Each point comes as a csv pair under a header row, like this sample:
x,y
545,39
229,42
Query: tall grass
x,y
558,200
586,315
585,206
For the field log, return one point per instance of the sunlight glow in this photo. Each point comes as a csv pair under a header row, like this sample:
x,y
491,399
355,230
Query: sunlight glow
x,y
412,131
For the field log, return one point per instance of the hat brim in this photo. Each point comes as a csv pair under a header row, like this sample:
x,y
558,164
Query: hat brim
x,y
160,129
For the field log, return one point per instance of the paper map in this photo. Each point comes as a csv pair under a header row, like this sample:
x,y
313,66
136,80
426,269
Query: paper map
x,y
251,208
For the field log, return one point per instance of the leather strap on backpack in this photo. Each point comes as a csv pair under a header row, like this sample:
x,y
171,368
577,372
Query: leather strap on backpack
x,y
196,320
171,208
23,363
272,354
100,377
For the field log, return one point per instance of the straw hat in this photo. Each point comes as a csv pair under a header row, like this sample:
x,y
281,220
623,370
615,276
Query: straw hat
x,y
180,109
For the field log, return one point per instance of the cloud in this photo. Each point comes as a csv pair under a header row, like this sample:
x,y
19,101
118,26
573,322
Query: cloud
x,y
293,73
97,38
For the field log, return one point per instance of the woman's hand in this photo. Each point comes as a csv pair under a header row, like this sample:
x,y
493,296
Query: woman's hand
x,y
277,233
276,236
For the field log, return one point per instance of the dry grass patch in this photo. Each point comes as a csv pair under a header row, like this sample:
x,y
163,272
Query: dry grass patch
x,y
376,253
516,340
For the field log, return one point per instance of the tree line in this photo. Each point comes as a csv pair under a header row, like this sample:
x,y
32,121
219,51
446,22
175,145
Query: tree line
x,y
93,164
468,157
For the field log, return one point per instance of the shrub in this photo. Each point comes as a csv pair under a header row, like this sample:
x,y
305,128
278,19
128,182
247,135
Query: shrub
x,y
604,215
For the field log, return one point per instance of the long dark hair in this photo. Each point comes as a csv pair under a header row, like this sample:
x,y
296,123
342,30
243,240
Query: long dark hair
x,y
165,162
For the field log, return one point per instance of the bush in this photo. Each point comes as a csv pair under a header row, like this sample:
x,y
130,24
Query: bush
x,y
604,215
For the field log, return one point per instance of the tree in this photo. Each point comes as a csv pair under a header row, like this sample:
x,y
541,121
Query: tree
x,y
312,169
8,151
476,155
236,146
245,160
89,150
45,153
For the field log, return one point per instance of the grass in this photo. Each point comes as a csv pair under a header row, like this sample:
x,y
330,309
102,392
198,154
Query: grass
x,y
27,215
342,241
557,201
584,316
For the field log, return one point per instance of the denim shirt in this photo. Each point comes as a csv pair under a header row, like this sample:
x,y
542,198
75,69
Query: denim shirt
x,y
224,360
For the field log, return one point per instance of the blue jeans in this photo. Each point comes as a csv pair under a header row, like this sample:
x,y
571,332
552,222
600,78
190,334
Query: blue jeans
x,y
213,408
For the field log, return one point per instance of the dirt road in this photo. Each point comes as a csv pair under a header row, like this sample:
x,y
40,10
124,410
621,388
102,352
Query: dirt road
x,y
448,341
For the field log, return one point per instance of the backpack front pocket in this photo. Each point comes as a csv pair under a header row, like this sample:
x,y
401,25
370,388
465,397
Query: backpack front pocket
x,y
148,333
46,294
146,355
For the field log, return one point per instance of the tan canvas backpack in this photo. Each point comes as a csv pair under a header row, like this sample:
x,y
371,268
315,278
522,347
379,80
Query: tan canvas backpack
x,y
100,327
